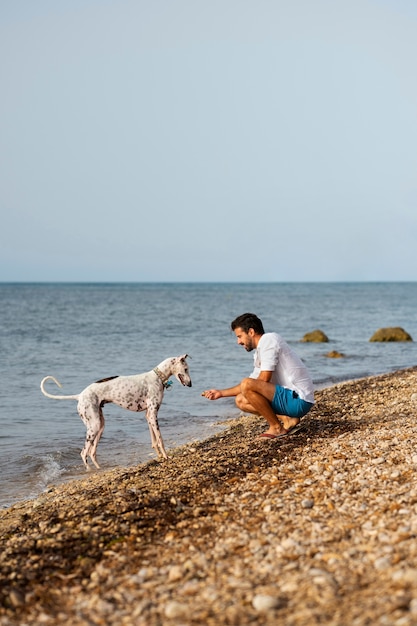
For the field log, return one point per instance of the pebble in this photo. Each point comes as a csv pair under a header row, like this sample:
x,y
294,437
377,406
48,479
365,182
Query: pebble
x,y
413,607
307,504
175,610
263,603
378,460
175,573
17,598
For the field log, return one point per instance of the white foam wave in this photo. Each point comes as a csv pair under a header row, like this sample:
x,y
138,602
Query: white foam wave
x,y
49,471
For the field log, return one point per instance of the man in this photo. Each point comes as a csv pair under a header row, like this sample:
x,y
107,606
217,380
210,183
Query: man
x,y
279,388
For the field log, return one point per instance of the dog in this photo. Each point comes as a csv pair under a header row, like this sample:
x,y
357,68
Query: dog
x,y
138,392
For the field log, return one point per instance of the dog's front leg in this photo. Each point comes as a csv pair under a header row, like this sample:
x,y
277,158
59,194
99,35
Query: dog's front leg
x,y
156,437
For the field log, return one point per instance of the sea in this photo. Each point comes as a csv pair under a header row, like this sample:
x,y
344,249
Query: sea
x,y
83,332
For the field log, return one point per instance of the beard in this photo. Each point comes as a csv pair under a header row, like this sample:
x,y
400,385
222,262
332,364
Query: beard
x,y
249,345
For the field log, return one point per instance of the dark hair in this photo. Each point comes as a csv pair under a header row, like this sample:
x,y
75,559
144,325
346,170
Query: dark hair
x,y
247,321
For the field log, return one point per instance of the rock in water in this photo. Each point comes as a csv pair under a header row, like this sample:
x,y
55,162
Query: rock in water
x,y
391,334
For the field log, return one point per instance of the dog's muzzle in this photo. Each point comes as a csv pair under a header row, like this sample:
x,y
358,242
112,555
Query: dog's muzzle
x,y
184,382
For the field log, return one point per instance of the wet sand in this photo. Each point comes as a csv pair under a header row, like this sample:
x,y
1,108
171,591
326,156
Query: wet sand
x,y
316,528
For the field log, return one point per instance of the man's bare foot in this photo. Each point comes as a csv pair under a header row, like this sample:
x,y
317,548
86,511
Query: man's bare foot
x,y
272,433
293,427
289,422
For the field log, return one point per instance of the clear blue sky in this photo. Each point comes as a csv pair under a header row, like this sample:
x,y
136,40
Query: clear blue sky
x,y
221,140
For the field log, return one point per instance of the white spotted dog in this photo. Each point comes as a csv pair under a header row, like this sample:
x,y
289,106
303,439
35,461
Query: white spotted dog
x,y
139,392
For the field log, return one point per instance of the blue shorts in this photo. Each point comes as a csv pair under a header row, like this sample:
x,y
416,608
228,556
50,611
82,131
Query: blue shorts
x,y
287,402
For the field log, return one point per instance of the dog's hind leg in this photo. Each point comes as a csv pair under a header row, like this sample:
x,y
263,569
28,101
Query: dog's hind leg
x,y
93,419
93,451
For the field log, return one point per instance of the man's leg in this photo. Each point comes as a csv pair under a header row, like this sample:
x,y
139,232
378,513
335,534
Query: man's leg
x,y
244,405
259,395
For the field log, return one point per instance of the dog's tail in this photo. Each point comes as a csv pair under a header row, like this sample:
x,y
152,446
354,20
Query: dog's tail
x,y
49,395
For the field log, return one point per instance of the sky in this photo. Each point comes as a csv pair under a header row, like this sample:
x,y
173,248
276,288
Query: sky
x,y
187,140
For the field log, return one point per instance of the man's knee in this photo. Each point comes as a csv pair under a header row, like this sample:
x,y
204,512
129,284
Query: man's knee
x,y
247,385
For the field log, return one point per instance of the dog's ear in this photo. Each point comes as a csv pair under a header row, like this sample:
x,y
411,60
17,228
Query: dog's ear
x,y
185,356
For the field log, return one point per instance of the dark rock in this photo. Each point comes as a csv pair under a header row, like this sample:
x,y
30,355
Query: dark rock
x,y
316,336
391,334
334,354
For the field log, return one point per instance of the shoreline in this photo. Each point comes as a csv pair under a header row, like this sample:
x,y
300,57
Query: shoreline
x,y
317,528
77,472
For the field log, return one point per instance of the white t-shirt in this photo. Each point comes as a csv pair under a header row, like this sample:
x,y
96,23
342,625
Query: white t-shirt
x,y
273,354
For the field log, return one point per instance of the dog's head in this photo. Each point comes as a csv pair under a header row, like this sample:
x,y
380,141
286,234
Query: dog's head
x,y
180,370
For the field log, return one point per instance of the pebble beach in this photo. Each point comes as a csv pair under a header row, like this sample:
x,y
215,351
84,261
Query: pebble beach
x,y
316,528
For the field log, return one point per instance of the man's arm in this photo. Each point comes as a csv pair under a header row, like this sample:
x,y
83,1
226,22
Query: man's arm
x,y
215,394
264,375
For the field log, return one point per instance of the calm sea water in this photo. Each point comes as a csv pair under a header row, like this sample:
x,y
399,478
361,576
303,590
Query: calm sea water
x,y
80,333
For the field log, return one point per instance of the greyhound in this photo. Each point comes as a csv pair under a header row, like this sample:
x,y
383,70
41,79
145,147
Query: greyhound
x,y
138,392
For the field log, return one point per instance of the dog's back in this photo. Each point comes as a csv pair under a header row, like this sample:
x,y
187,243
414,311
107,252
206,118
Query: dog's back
x,y
129,392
